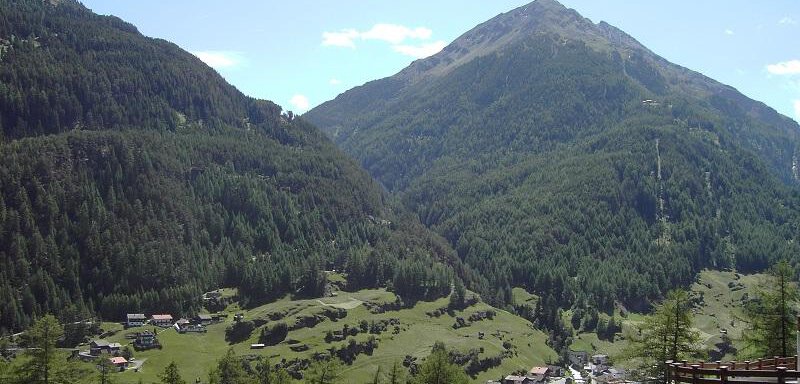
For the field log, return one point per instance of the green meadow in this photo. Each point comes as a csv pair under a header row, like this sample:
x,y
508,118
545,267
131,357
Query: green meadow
x,y
195,353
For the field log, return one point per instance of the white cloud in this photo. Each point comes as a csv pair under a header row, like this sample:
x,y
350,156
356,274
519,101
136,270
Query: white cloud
x,y
343,38
300,103
420,51
791,67
395,34
334,81
729,32
219,59
787,21
797,109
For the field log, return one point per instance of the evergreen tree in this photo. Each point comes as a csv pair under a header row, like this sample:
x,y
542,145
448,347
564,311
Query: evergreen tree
x,y
377,378
171,375
265,374
771,314
396,374
229,370
437,369
41,341
324,372
458,295
106,370
666,334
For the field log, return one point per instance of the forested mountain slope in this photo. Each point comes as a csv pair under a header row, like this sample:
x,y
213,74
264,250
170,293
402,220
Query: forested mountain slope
x,y
134,178
563,156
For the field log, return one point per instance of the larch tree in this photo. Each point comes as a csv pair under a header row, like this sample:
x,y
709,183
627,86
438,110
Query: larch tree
x,y
266,374
41,340
396,374
171,375
325,372
771,314
666,334
437,369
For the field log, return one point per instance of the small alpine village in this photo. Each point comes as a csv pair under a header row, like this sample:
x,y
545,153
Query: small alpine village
x,y
655,347
536,197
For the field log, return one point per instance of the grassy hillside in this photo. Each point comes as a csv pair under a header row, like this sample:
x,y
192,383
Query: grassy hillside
x,y
720,296
195,353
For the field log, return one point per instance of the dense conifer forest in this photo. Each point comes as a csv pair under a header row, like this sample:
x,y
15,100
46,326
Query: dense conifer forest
x,y
134,179
562,156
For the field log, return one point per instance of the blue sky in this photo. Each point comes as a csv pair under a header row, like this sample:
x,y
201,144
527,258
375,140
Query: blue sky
x,y
300,53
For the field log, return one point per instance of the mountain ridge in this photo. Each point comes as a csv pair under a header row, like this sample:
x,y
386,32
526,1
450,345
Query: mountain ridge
x,y
550,17
565,154
135,178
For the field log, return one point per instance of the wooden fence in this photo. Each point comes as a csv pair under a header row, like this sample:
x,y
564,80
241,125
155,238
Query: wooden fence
x,y
776,370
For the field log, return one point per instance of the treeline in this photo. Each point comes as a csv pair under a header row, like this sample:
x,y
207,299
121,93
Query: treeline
x,y
134,179
66,68
112,223
544,169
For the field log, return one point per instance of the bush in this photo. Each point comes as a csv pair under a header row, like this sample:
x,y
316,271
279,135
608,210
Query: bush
x,y
273,335
239,332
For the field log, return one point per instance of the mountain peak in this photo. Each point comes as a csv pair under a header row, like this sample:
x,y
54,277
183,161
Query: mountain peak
x,y
537,17
540,6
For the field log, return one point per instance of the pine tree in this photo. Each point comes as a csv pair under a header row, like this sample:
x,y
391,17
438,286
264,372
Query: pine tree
x,y
171,375
324,372
267,375
666,334
41,340
437,369
458,295
106,368
770,315
377,378
229,370
396,375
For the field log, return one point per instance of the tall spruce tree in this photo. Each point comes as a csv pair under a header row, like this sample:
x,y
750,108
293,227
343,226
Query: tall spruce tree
x,y
41,340
229,370
325,372
396,374
666,334
266,374
771,314
171,375
437,369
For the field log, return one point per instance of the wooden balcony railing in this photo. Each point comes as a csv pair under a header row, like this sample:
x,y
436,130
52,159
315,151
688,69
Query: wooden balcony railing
x,y
776,370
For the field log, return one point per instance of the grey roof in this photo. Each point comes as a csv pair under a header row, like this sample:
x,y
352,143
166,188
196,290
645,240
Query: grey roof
x,y
204,317
136,316
100,343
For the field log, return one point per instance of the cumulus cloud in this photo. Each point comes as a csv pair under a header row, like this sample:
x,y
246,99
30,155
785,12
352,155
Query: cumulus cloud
x,y
787,21
396,35
729,32
343,38
791,67
219,59
422,50
300,103
334,81
797,109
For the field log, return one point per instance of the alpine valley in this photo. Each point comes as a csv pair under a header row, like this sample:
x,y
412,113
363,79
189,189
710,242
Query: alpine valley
x,y
534,189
